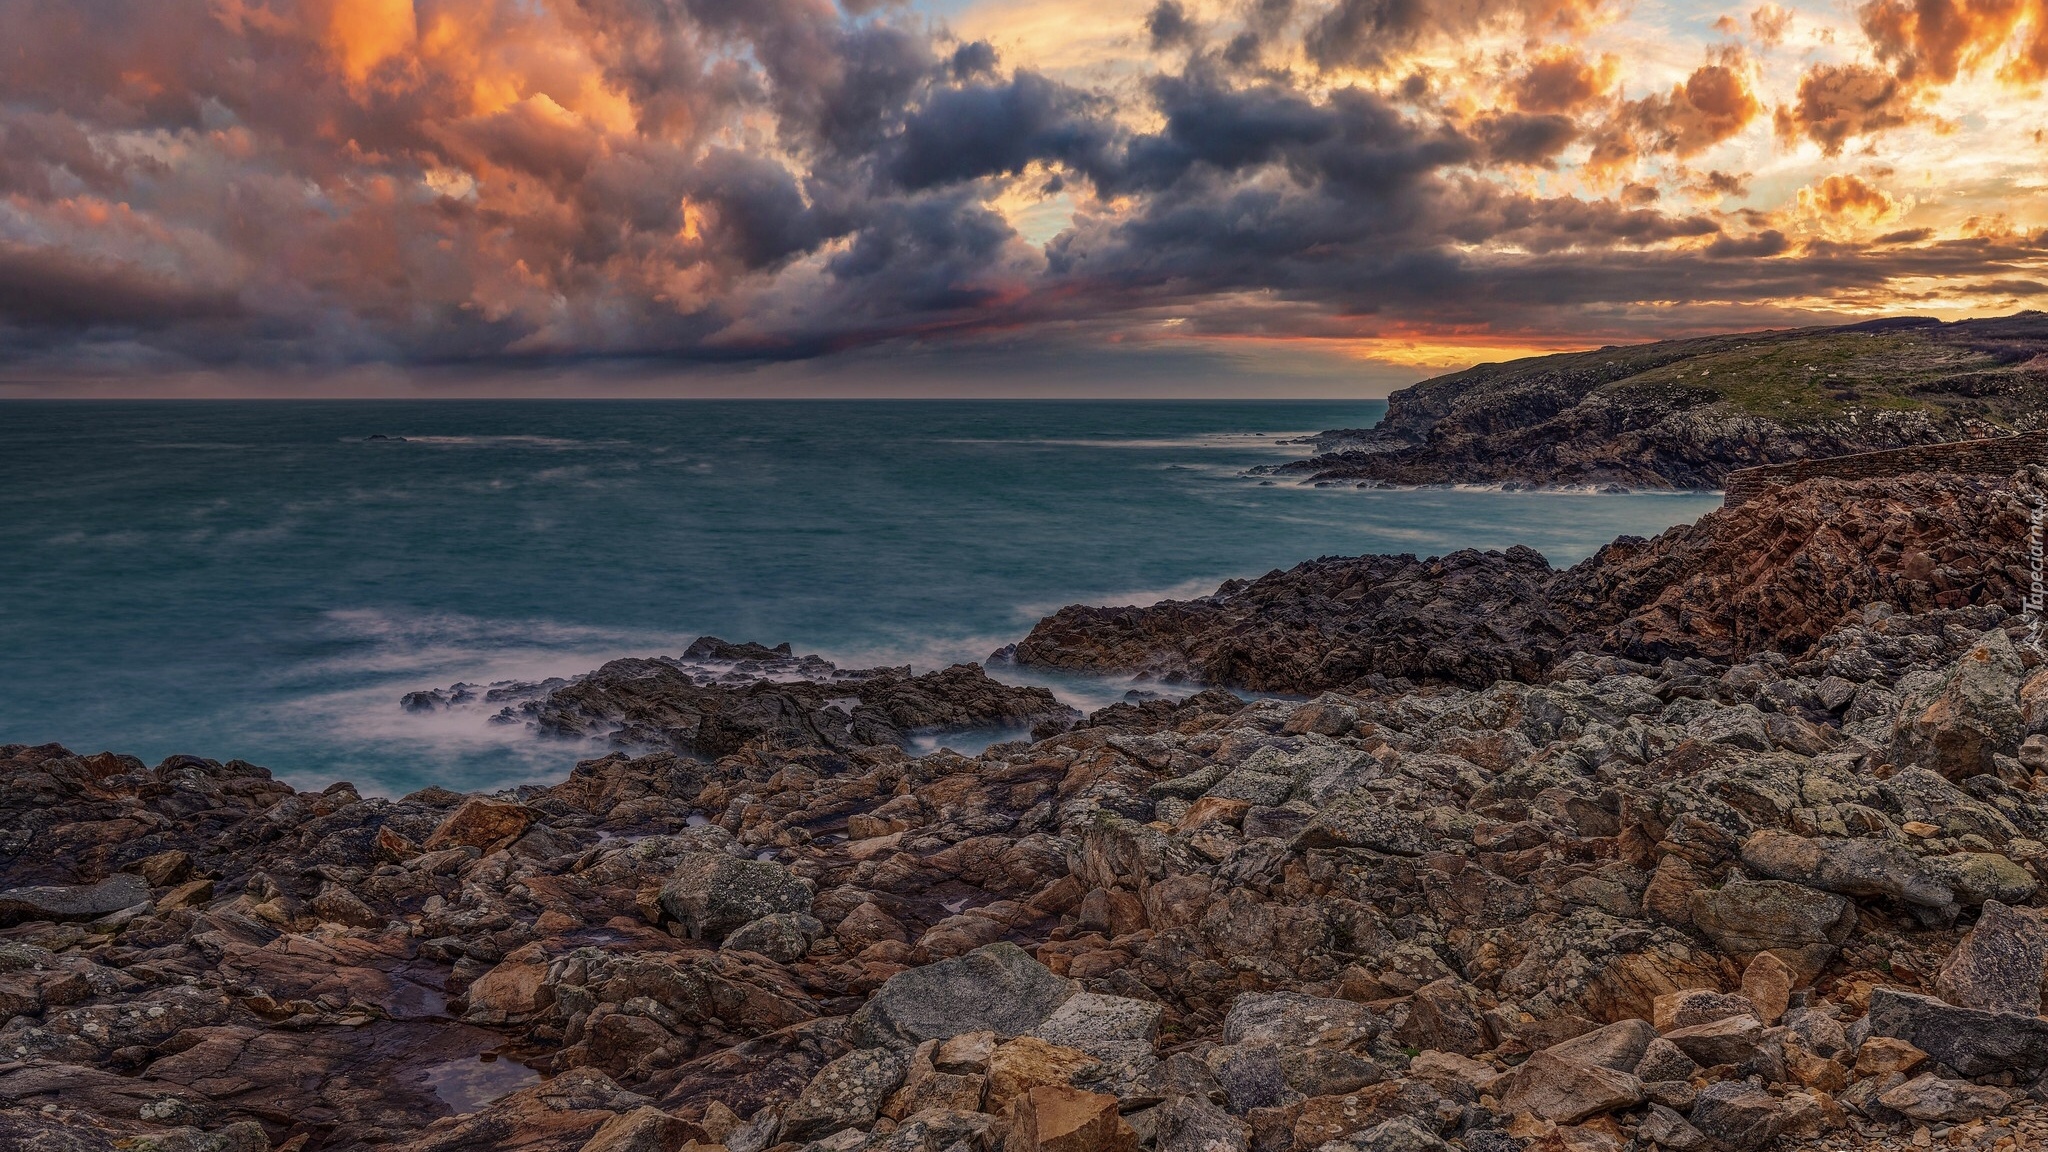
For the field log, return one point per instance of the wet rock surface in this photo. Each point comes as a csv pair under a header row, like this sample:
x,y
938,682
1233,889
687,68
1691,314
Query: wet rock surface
x,y
1776,575
718,697
1682,902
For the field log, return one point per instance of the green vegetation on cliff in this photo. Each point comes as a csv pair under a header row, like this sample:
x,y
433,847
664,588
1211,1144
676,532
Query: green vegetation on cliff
x,y
1683,413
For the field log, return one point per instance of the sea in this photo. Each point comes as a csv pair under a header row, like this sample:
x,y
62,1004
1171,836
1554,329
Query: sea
x,y
264,580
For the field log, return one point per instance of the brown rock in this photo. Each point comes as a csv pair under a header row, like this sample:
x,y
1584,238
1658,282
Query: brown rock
x,y
965,1053
163,868
1767,982
1028,1062
1057,1118
1931,1099
338,905
1443,1017
644,1129
512,991
1884,1055
393,848
1735,1040
1691,1006
868,924
1566,1091
1669,895
485,825
190,894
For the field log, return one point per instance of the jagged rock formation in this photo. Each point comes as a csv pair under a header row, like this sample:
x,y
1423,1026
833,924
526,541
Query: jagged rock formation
x,y
718,697
1684,413
1772,576
1789,899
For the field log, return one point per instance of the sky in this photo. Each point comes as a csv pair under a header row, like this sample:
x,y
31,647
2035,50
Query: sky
x,y
1001,197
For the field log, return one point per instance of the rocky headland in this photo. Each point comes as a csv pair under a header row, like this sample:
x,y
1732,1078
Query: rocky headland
x,y
1728,840
1684,413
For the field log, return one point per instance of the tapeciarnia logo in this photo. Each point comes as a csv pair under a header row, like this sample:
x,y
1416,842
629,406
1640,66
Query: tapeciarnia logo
x,y
2037,593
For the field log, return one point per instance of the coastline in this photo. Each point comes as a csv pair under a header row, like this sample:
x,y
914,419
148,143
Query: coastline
x,y
1640,873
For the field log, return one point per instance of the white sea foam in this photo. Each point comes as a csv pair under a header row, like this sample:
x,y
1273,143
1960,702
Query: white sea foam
x,y
1274,442
512,441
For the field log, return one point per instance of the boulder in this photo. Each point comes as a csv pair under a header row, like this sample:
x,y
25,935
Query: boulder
x,y
483,824
1566,1091
1362,819
1767,982
1619,1045
1666,1129
1801,925
1397,1135
1662,1060
1998,965
1848,867
712,894
1298,1020
1116,1030
1884,1055
1028,1062
1975,877
644,1129
846,1093
1972,715
1732,1040
1192,1124
513,991
1052,1118
1736,1116
1970,1040
995,988
781,936
1932,1100
1689,1006
64,902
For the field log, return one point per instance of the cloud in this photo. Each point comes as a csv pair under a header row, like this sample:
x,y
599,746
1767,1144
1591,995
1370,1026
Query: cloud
x,y
1934,41
1848,197
1562,80
489,183
1840,101
1768,25
1712,105
1371,34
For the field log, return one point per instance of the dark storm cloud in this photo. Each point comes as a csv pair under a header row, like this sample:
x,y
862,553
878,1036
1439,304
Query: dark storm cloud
x,y
509,181
44,289
978,130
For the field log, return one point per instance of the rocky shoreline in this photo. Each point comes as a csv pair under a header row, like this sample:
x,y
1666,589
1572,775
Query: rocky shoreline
x,y
1732,839
1684,413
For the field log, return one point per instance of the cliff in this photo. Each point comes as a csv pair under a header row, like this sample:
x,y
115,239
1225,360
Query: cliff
x,y
1684,413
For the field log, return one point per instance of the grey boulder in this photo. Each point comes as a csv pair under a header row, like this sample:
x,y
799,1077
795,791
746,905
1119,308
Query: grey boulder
x,y
1970,1040
995,988
1998,966
712,894
74,901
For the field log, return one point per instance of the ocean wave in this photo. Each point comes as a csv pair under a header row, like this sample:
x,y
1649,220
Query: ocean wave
x,y
1192,589
559,443
414,643
1272,441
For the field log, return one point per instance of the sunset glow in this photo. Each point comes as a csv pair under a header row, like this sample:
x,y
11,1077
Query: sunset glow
x,y
332,184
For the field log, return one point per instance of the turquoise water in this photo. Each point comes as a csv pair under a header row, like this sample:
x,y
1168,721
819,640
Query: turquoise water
x,y
260,580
